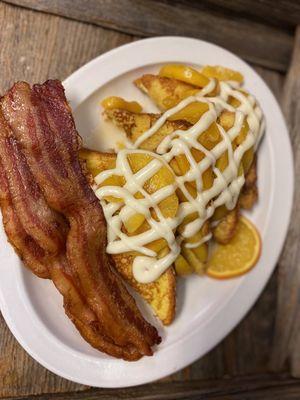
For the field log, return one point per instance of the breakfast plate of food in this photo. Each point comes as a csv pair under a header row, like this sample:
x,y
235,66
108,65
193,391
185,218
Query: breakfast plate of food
x,y
145,201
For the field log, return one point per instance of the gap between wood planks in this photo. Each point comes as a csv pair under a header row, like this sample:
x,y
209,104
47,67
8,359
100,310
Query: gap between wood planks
x,y
257,42
286,346
262,387
43,50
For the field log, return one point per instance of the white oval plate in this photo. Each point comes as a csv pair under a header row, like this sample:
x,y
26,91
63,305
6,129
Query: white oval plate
x,y
207,309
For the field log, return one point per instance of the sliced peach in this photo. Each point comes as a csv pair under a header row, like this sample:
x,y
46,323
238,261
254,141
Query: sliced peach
x,y
234,102
182,267
191,113
248,159
201,252
184,73
163,177
163,252
183,163
219,213
210,137
114,180
222,162
175,167
134,222
222,73
226,119
190,188
191,257
157,245
199,235
112,102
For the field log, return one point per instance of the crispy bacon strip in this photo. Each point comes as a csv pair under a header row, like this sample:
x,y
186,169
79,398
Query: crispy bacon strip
x,y
43,125
33,257
38,259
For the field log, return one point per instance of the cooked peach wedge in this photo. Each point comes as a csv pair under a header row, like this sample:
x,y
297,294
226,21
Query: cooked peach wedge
x,y
249,194
185,74
174,83
113,102
165,92
226,120
196,256
221,73
196,259
163,177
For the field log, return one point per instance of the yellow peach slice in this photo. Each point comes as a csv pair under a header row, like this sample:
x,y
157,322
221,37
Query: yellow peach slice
x,y
191,113
184,73
222,73
114,102
182,267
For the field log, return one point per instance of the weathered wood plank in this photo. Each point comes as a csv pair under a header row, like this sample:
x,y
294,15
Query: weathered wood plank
x,y
33,47
20,374
287,329
262,387
281,13
273,79
145,18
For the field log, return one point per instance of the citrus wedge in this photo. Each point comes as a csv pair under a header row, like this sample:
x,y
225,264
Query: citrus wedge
x,y
239,255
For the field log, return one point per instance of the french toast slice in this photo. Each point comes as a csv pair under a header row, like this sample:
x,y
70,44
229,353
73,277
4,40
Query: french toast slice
x,y
165,92
160,294
249,194
135,124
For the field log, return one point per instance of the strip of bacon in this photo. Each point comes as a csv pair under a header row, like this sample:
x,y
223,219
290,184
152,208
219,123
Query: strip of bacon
x,y
35,257
42,123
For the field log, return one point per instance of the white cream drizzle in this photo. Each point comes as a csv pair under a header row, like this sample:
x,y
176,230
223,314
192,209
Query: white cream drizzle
x,y
224,191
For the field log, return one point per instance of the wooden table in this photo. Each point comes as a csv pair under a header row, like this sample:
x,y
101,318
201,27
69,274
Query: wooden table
x,y
39,39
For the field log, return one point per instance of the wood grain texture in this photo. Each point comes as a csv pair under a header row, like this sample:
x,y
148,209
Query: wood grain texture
x,y
287,334
284,14
19,373
261,387
148,18
36,46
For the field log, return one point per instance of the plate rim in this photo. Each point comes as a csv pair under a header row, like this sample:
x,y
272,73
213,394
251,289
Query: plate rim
x,y
75,99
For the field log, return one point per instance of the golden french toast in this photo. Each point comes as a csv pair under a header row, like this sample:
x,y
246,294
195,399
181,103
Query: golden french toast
x,y
135,124
160,294
165,92
179,180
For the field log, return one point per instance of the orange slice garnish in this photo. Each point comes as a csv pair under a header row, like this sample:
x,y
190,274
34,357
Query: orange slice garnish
x,y
239,255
